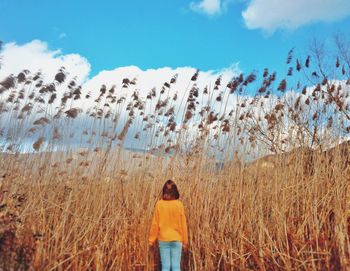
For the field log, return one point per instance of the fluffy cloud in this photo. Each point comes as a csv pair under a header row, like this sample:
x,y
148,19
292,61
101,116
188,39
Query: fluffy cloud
x,y
210,7
155,78
36,56
270,15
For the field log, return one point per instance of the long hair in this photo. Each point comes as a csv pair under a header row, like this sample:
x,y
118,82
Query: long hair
x,y
170,191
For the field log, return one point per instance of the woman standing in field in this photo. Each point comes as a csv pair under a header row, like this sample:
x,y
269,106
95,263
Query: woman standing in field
x,y
169,227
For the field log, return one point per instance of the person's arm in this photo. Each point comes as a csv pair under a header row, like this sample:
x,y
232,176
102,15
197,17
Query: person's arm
x,y
184,226
153,234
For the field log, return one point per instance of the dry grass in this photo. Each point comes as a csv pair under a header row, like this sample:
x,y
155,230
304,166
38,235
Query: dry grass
x,y
244,217
89,208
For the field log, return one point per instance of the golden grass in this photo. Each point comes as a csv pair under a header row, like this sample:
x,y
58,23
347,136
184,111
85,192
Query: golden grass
x,y
245,217
90,209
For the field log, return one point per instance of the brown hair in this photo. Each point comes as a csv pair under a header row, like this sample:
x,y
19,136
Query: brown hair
x,y
170,191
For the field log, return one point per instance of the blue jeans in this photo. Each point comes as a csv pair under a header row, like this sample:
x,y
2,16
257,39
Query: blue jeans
x,y
170,255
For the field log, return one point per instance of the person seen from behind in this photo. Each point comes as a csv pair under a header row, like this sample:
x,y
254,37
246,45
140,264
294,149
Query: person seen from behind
x,y
169,227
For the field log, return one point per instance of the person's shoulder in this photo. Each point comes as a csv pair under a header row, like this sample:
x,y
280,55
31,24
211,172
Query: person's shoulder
x,y
179,203
158,203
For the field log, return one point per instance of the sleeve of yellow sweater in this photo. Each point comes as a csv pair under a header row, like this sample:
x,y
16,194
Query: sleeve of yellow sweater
x,y
184,226
153,234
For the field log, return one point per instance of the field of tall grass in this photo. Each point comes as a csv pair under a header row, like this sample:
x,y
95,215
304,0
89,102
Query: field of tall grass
x,y
261,162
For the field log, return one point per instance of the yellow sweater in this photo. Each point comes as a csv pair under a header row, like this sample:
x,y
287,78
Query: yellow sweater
x,y
169,222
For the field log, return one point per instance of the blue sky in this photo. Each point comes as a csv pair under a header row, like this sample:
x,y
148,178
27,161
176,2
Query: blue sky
x,y
208,35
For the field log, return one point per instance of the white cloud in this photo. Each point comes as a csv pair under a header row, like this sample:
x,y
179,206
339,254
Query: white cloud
x,y
210,7
155,78
270,15
36,56
147,79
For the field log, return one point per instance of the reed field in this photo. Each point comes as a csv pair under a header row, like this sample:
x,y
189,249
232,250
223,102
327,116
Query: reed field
x,y
262,163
